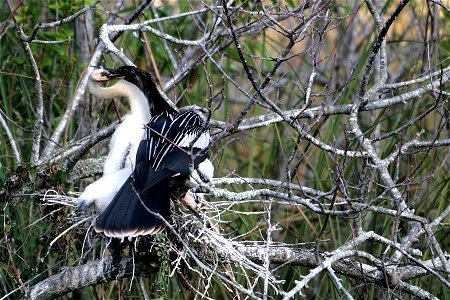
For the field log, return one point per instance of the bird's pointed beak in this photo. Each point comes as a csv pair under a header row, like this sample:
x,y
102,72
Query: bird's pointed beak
x,y
106,74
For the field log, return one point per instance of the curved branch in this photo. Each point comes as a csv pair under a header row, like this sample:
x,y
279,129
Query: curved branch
x,y
38,26
377,45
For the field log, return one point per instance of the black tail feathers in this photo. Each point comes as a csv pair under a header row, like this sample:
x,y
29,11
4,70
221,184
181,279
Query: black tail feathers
x,y
128,213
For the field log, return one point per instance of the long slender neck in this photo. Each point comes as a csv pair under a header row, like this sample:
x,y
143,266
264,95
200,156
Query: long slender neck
x,y
139,107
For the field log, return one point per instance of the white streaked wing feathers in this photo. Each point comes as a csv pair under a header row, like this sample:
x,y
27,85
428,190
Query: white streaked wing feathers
x,y
190,128
202,141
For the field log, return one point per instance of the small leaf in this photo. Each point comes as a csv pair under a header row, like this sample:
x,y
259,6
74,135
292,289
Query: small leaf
x,y
54,6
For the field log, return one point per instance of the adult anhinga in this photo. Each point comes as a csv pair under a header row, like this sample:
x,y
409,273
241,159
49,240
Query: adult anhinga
x,y
172,141
120,161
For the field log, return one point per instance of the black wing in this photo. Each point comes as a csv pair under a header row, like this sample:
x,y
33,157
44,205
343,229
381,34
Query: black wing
x,y
186,131
169,143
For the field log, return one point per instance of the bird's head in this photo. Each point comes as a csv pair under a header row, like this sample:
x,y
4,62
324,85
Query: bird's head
x,y
102,75
140,78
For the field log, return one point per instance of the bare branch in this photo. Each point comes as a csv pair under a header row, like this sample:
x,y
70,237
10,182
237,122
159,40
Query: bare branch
x,y
39,109
12,141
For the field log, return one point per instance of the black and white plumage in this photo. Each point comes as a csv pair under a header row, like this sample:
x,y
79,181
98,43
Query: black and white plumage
x,y
144,81
123,146
172,142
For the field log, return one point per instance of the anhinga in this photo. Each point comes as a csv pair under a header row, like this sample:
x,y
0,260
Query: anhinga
x,y
120,161
171,143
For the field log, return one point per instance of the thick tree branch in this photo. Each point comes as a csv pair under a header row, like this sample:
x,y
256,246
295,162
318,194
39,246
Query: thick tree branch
x,y
92,273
